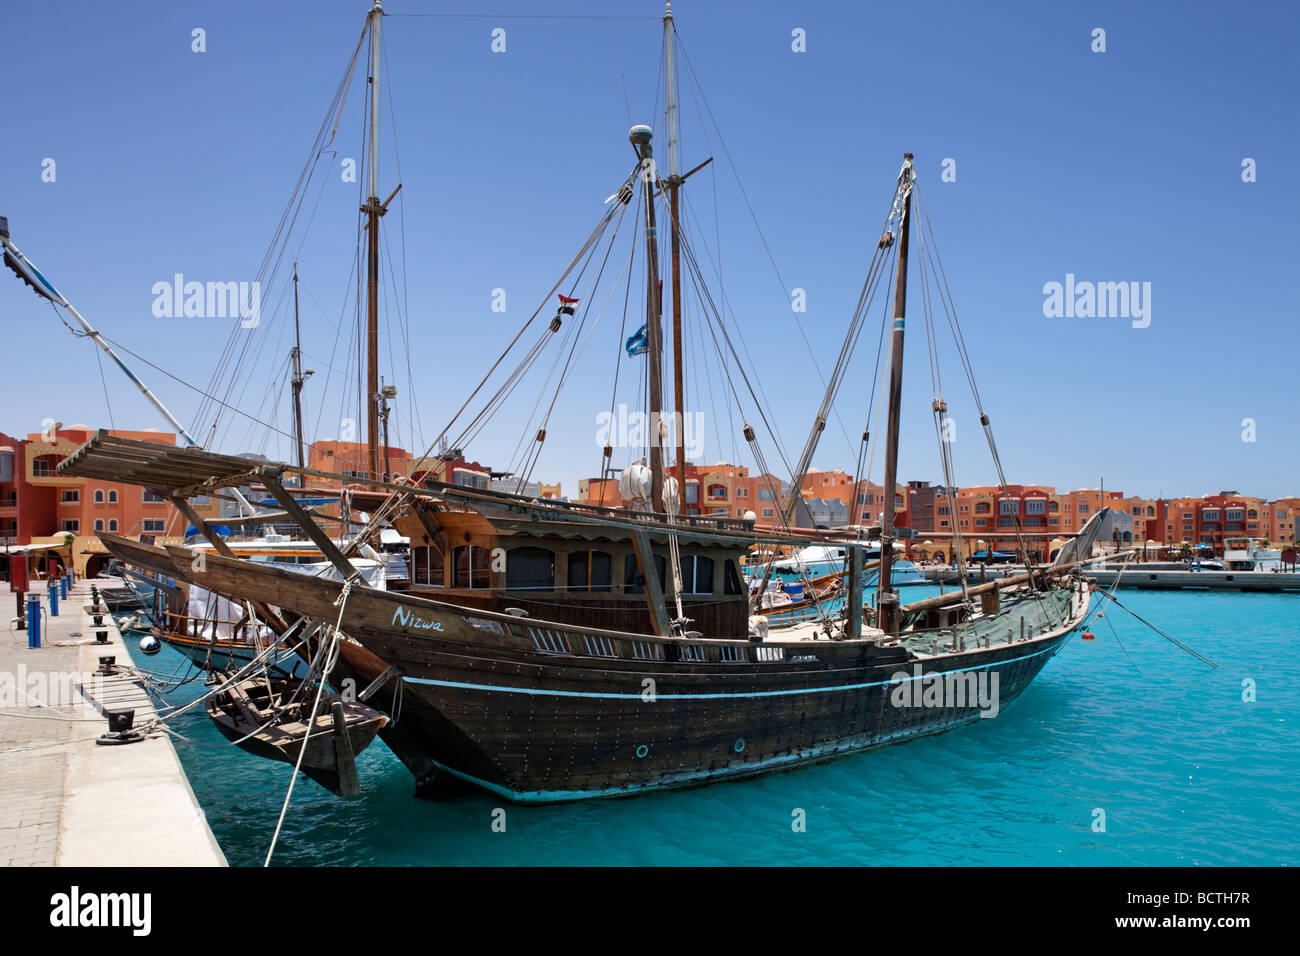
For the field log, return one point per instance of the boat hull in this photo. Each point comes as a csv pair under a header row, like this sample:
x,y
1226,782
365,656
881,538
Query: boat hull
x,y
541,712
537,733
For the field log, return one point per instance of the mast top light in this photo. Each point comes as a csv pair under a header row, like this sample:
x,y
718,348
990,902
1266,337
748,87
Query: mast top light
x,y
640,135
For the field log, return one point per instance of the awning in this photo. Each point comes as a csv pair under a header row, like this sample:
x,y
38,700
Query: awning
x,y
157,467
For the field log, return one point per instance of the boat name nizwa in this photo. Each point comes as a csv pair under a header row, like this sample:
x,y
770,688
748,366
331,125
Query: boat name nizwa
x,y
407,619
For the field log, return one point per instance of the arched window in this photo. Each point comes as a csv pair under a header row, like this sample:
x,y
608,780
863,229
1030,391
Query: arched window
x,y
732,579
697,574
99,524
530,569
99,496
634,581
427,566
717,491
112,496
112,524
591,571
472,567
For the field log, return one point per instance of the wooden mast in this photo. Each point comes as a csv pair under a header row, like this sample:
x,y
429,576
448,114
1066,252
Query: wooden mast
x,y
640,137
674,183
887,601
373,210
298,376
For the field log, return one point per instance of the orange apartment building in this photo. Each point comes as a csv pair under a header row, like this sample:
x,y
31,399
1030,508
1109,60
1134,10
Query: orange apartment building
x,y
351,459
38,506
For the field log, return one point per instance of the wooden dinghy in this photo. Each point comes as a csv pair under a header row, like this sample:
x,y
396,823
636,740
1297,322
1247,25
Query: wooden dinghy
x,y
264,718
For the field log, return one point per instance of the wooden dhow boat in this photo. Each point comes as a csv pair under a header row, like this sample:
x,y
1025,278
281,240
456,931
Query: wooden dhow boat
x,y
552,651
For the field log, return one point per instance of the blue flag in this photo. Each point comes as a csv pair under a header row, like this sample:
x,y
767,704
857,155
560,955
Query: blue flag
x,y
639,343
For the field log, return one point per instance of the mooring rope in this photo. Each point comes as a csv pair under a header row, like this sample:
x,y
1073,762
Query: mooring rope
x,y
328,662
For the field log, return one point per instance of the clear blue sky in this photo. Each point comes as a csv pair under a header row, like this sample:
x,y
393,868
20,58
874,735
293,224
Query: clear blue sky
x,y
1115,166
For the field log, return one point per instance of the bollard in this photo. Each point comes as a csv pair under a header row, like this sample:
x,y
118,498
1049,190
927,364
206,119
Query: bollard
x,y
101,637
33,620
63,587
98,620
22,610
54,599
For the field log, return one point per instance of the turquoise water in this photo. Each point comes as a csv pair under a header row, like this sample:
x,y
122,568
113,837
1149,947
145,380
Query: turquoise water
x,y
1186,772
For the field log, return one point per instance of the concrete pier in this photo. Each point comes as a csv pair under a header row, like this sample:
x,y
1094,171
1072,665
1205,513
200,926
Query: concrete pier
x,y
1259,582
66,800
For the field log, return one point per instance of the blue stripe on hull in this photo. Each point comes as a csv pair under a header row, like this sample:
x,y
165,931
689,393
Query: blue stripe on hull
x,y
943,719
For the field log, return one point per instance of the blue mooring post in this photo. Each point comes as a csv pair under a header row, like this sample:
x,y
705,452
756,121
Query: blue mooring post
x,y
54,599
33,619
63,587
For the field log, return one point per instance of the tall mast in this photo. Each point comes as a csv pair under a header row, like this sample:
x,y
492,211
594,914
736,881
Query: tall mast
x,y
674,183
298,376
887,601
373,210
640,137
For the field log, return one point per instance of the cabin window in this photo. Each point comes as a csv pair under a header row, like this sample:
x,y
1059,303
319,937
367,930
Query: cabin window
x,y
472,567
697,574
634,581
731,579
530,569
427,566
591,571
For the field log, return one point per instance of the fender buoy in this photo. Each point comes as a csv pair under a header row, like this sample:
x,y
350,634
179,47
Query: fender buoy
x,y
1088,635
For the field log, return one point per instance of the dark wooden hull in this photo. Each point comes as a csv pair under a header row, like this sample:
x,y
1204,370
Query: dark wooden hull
x,y
539,711
538,731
